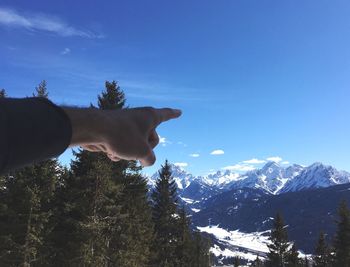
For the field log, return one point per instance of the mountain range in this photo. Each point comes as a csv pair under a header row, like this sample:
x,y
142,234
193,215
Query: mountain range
x,y
272,178
232,207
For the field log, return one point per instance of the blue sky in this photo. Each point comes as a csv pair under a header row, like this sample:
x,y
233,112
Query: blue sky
x,y
255,79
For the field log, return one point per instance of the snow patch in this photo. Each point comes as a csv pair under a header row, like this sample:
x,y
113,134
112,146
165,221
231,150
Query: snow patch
x,y
256,241
195,210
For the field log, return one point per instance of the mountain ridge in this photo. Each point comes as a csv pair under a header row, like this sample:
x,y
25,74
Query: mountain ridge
x,y
272,178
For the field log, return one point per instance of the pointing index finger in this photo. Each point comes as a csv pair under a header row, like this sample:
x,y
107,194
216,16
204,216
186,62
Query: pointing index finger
x,y
165,114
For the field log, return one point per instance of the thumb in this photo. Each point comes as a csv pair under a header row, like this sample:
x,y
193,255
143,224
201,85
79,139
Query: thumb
x,y
149,159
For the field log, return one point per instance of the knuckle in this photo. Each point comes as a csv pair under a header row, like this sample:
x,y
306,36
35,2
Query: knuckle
x,y
151,112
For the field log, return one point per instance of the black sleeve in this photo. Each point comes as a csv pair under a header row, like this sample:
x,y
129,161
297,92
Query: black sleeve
x,y
31,130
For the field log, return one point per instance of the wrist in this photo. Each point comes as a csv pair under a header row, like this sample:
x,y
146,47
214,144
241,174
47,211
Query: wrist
x,y
86,125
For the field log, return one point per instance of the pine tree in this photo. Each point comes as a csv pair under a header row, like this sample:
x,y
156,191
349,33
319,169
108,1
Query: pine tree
x,y
278,255
165,217
342,239
2,93
48,173
236,262
41,90
134,244
185,242
2,178
116,228
201,253
28,194
293,257
112,98
257,262
26,198
321,256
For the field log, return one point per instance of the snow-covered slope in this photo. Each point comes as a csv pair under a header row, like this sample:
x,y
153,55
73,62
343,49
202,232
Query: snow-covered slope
x,y
238,244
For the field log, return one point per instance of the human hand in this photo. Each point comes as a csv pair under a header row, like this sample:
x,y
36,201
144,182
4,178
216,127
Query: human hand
x,y
128,134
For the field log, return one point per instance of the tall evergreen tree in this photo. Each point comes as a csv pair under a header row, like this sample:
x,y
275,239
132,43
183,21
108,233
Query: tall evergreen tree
x,y
184,250
293,257
116,230
165,217
136,227
2,93
26,197
278,255
112,97
236,262
257,262
201,253
41,90
321,256
342,239
2,178
28,194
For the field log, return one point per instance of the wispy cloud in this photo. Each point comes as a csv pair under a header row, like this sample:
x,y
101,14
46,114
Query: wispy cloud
x,y
65,51
40,22
181,164
254,161
194,155
285,162
239,167
163,141
217,152
275,159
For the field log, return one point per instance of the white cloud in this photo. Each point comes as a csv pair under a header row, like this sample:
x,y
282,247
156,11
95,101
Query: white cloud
x,y
65,51
163,141
194,155
285,162
239,167
217,152
39,22
254,161
181,164
275,159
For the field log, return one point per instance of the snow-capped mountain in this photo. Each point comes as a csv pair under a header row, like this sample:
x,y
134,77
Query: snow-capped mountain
x,y
317,175
271,178
192,189
221,179
182,178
